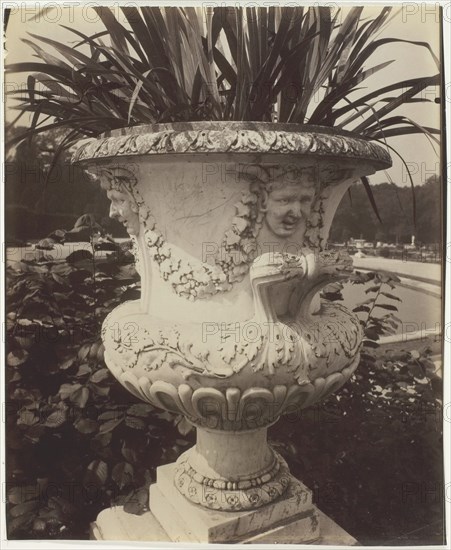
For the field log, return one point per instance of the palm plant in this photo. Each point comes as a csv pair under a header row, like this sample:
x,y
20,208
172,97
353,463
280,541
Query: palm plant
x,y
175,64
170,64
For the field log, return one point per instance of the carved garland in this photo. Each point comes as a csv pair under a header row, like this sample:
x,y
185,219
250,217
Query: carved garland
x,y
196,279
315,223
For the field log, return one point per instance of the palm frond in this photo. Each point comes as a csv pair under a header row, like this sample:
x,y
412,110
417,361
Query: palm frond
x,y
223,63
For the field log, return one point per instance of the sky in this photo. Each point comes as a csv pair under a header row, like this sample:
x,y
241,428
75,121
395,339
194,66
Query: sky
x,y
412,21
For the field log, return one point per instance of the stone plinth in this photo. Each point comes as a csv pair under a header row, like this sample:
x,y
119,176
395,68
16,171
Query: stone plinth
x,y
291,519
113,524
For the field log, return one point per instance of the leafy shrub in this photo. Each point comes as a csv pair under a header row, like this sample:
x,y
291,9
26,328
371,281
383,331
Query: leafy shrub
x,y
372,452
77,441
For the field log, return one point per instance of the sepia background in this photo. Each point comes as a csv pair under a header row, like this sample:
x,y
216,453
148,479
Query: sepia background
x,y
372,454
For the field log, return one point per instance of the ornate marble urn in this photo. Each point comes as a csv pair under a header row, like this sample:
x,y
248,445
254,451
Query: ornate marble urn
x,y
230,223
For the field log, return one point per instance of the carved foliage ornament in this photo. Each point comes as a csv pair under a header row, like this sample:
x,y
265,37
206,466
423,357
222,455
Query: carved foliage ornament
x,y
266,346
228,139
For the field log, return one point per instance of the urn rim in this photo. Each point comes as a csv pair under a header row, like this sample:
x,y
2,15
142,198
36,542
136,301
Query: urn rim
x,y
231,138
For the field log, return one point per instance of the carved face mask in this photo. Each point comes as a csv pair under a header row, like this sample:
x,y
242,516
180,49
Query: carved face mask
x,y
125,210
286,206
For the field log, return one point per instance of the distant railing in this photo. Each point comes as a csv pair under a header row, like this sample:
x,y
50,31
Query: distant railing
x,y
432,254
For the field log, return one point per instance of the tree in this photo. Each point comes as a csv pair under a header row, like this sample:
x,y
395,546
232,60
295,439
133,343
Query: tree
x,y
355,215
39,200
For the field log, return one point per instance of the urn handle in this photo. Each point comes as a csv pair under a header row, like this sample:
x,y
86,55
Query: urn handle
x,y
272,269
303,275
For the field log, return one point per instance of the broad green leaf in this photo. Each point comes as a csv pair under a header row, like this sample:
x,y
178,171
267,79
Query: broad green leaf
x,y
100,375
388,307
122,474
17,357
140,409
372,289
110,425
24,508
135,423
391,296
361,308
56,419
83,370
101,440
129,454
370,344
184,427
23,493
97,471
20,523
67,364
110,415
80,397
86,425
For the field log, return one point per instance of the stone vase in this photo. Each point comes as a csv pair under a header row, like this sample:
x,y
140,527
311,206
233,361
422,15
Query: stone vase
x,y
229,223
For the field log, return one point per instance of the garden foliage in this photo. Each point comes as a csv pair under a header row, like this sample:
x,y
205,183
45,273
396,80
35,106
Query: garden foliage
x,y
77,441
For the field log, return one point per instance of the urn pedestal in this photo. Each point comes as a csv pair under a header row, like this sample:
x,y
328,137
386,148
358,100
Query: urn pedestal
x,y
230,223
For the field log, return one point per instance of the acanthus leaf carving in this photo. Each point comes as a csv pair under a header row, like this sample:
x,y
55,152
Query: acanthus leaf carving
x,y
239,410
